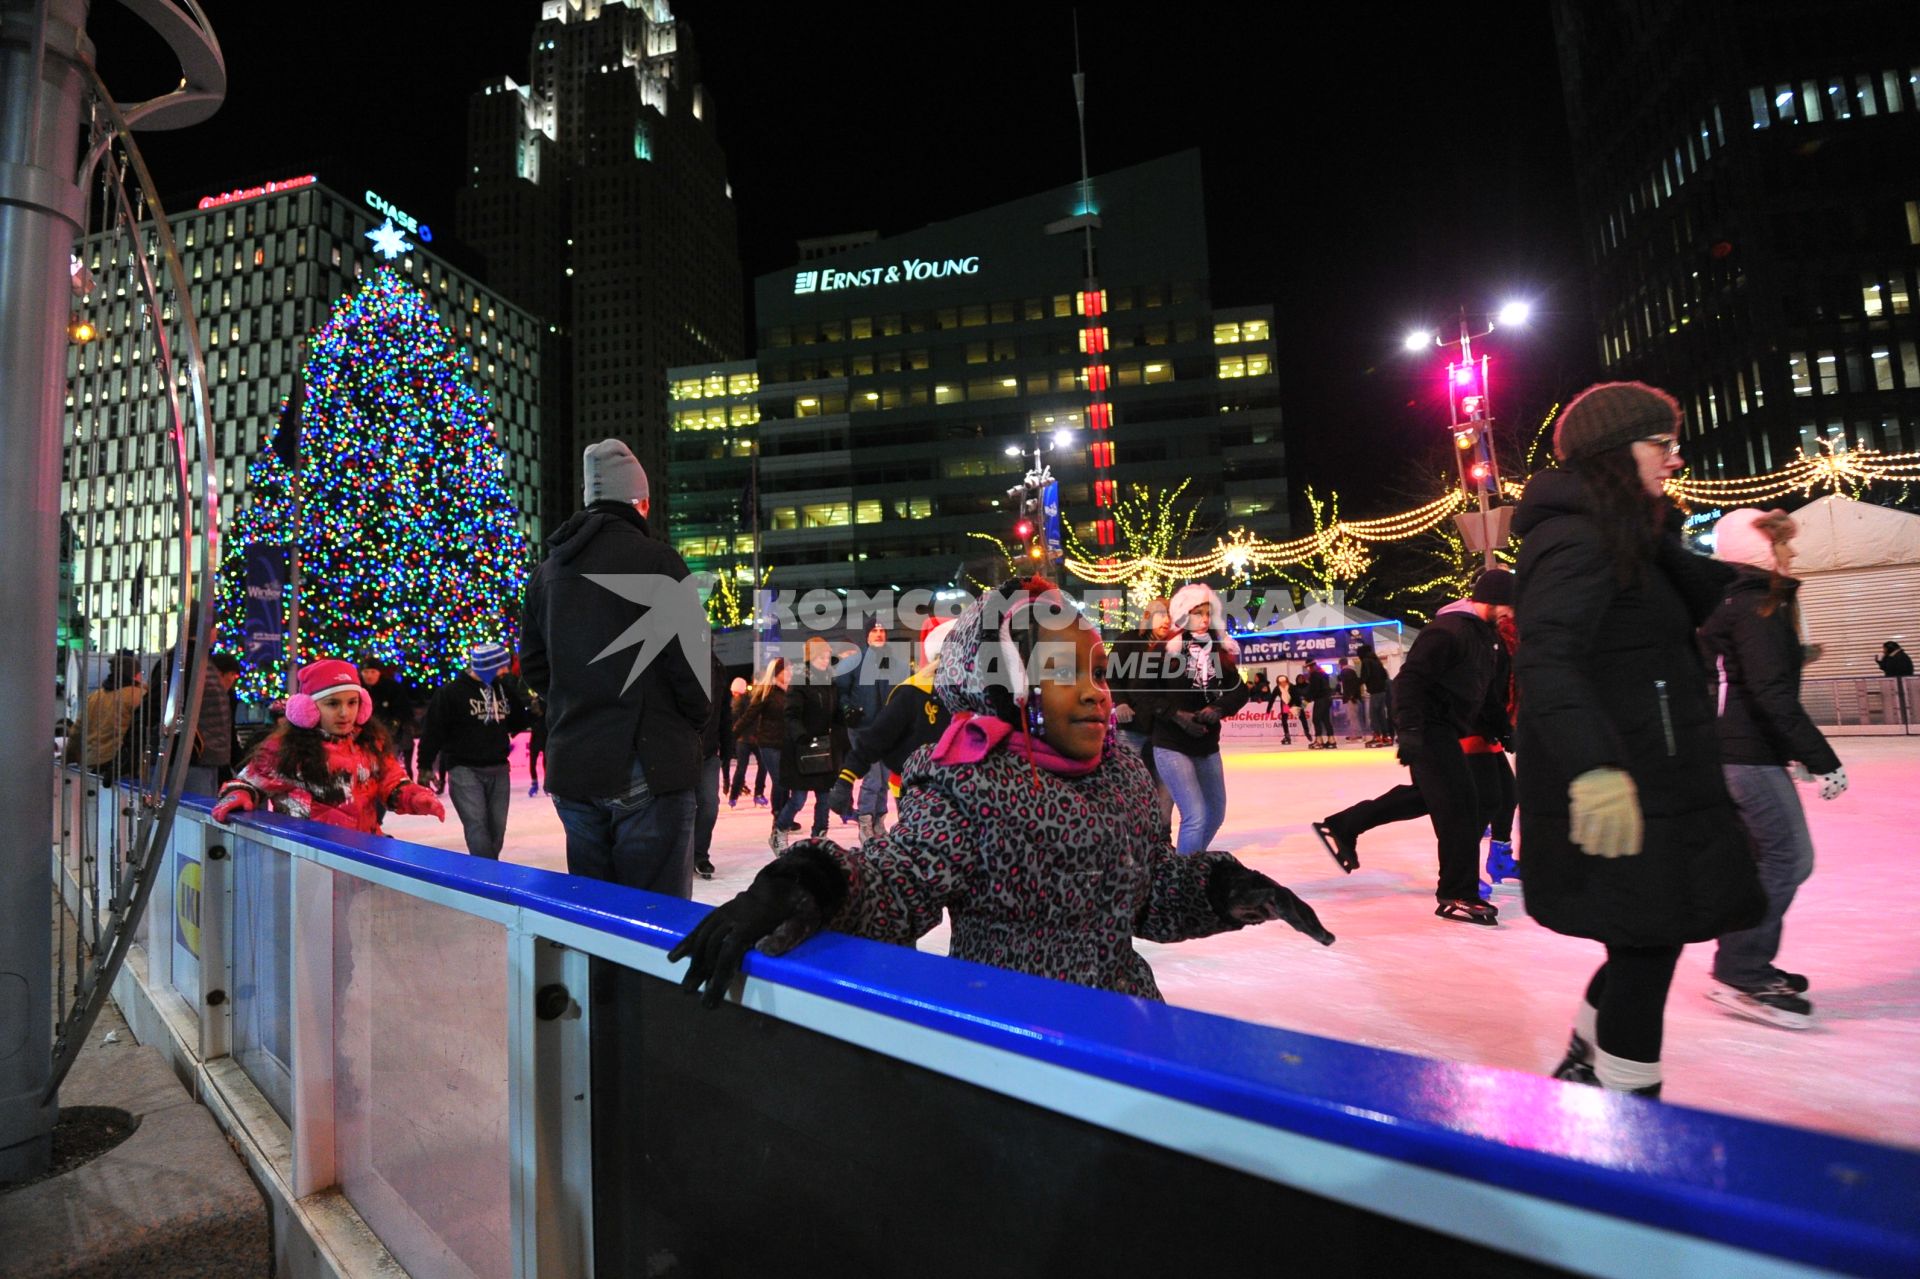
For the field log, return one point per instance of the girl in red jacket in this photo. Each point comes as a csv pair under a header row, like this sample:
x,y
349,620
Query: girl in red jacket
x,y
329,760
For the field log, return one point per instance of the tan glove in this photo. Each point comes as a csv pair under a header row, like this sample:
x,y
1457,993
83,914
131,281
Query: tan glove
x,y
1604,813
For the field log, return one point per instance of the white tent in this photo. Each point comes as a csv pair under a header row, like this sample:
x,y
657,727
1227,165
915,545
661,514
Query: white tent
x,y
1860,570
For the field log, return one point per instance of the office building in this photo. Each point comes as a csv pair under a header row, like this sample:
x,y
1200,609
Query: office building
x,y
1745,173
598,193
894,375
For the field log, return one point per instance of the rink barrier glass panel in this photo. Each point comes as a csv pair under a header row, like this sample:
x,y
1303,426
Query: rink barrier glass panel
x,y
910,1106
262,962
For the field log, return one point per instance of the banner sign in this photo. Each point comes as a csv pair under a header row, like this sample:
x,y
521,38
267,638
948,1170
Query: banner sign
x,y
263,640
1302,646
1050,519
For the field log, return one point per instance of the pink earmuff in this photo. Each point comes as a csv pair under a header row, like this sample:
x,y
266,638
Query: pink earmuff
x,y
304,711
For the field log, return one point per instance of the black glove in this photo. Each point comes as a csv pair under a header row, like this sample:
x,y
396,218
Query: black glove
x,y
1208,716
789,901
1189,723
840,799
1248,897
854,716
1413,748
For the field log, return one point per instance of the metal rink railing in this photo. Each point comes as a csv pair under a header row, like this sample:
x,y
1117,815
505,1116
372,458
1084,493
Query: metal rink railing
x,y
492,1065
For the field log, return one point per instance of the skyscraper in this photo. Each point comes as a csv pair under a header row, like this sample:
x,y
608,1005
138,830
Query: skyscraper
x,y
598,193
1752,226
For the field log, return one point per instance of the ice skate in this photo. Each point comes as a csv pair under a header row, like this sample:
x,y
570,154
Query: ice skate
x,y
1501,864
1792,981
1774,1004
777,841
1345,853
1577,1066
703,867
866,830
760,800
1475,912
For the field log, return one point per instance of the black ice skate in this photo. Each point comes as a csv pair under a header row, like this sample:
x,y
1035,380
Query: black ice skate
x,y
1345,853
1474,912
1577,1066
1774,1003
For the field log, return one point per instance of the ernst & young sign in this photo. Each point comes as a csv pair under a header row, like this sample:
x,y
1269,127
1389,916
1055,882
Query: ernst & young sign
x,y
905,271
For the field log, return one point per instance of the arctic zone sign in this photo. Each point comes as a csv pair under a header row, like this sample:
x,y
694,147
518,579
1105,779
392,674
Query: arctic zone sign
x,y
905,271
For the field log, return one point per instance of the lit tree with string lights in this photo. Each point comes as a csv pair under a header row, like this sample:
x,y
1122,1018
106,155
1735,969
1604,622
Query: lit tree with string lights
x,y
409,548
1152,526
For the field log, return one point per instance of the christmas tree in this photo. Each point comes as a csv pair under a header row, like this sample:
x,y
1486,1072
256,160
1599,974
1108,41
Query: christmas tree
x,y
409,550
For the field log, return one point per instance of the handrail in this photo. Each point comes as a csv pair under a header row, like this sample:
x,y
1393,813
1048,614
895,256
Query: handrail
x,y
1794,1195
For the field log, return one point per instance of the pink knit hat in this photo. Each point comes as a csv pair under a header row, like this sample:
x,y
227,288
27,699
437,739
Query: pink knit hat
x,y
328,675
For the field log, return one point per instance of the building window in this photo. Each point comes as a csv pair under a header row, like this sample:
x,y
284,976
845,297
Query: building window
x,y
1225,335
1801,374
1829,369
1233,366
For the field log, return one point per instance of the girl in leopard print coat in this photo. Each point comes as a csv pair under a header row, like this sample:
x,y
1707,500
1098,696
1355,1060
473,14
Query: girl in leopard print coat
x,y
1025,823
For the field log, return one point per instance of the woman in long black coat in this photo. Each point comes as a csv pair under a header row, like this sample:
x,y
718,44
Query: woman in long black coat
x,y
1630,836
815,714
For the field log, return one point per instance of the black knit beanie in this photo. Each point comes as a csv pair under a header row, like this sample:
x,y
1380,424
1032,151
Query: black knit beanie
x,y
1611,414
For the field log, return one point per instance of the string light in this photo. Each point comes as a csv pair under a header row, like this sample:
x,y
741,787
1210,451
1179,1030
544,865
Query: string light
x,y
1836,468
723,603
409,549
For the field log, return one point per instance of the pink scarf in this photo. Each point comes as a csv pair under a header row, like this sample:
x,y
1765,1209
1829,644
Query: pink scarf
x,y
971,738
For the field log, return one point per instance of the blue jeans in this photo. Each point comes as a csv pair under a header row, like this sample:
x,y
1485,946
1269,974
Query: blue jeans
x,y
1783,849
1141,745
873,792
797,801
1199,787
480,796
635,838
1380,713
706,808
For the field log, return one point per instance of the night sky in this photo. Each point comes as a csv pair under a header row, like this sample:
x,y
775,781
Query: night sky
x,y
1364,174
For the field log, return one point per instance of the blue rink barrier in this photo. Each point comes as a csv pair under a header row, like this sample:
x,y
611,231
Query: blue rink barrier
x,y
879,1110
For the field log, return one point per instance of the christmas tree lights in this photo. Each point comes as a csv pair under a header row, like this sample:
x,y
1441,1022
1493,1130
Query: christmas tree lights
x,y
409,549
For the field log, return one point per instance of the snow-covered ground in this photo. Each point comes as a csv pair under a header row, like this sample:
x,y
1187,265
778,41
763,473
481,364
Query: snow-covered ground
x,y
1400,978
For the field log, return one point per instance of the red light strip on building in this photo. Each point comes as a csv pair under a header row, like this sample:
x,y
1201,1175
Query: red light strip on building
x,y
254,193
1094,341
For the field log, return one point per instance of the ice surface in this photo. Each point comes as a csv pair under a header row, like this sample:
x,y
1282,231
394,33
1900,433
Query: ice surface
x,y
1400,978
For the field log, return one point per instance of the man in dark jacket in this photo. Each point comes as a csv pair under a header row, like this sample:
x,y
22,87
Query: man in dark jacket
x,y
1440,697
1134,668
716,746
468,734
391,706
1320,694
213,737
615,640
815,742
866,688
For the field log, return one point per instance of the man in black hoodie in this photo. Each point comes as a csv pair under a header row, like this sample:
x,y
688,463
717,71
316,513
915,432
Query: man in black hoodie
x,y
467,737
614,638
1441,696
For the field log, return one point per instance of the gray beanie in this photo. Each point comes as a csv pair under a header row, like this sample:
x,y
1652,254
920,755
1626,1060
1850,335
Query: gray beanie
x,y
1611,414
613,473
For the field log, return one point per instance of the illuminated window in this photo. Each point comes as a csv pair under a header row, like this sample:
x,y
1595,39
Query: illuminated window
x,y
1258,365
687,389
1162,372
824,515
867,512
1897,294
1233,366
1225,334
1255,331
976,353
743,383
1882,370
743,415
973,316
1870,300
1062,305
860,327
944,393
1828,367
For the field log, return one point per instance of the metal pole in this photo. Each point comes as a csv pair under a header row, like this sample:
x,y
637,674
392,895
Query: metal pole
x,y
42,92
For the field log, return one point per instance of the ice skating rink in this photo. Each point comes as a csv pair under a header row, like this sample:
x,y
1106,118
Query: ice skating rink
x,y
1401,978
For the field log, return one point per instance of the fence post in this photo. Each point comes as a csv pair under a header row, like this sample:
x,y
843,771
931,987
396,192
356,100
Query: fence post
x,y
550,1122
310,990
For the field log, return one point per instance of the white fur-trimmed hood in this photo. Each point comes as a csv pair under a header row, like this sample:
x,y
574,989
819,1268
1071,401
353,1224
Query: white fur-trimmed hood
x,y
1185,600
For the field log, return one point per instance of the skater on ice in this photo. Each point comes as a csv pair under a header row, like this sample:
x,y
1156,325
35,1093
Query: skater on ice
x,y
1025,823
1754,641
1629,835
329,760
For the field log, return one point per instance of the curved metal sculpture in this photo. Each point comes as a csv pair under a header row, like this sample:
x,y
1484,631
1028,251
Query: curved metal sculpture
x,y
113,827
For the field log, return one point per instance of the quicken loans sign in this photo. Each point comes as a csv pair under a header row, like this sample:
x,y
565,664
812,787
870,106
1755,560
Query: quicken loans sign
x,y
905,271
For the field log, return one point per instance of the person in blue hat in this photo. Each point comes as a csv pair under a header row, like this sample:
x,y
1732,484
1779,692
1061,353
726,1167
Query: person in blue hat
x,y
464,743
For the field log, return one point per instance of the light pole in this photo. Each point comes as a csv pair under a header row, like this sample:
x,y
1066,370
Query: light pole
x,y
1470,420
1036,499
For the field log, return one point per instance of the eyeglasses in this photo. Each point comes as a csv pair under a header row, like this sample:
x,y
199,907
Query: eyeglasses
x,y
1671,443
